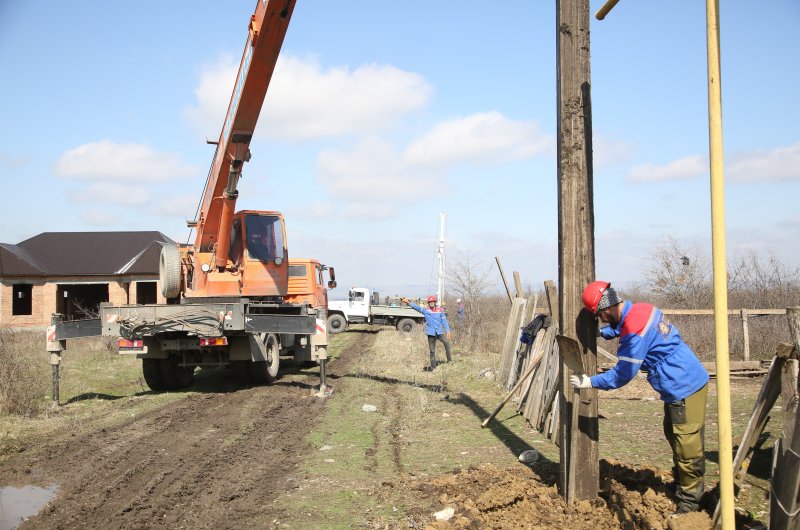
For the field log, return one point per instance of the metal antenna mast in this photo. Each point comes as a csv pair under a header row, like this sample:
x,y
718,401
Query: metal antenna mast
x,y
440,254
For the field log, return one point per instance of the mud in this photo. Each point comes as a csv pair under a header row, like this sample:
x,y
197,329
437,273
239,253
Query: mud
x,y
213,460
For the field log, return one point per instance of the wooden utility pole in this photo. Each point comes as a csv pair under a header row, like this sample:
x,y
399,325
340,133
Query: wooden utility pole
x,y
579,466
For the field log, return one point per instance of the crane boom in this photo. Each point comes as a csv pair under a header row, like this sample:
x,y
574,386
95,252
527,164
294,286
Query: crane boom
x,y
266,33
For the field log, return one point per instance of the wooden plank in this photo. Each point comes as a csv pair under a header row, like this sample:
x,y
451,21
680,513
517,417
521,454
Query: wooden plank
x,y
745,337
711,367
517,284
767,396
503,277
510,341
552,298
607,355
522,379
535,400
731,312
785,482
535,351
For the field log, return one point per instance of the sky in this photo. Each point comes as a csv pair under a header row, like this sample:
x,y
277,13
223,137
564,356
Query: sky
x,y
381,115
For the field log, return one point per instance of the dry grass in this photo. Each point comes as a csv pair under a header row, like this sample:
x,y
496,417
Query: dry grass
x,y
24,373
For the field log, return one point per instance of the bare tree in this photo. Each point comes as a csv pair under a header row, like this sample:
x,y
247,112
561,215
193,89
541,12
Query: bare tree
x,y
765,283
680,275
470,281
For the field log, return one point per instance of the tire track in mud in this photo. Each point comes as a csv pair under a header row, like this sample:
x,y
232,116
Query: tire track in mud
x,y
215,460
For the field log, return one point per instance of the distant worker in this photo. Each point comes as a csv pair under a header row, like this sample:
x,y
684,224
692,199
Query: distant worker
x,y
648,342
436,328
460,310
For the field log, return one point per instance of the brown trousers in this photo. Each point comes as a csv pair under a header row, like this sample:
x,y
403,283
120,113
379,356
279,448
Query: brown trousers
x,y
684,427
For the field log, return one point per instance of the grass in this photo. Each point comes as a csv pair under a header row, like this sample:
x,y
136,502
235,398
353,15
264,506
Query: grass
x,y
94,380
426,424
429,424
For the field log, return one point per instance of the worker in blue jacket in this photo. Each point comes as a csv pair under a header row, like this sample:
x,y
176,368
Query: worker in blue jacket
x,y
648,342
436,328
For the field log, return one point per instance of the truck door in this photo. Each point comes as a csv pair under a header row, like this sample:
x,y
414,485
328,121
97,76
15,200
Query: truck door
x,y
359,304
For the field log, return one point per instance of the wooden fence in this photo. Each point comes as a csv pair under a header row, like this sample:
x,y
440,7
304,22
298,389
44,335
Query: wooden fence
x,y
743,313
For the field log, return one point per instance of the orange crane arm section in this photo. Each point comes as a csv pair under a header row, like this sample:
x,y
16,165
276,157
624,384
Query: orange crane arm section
x,y
266,33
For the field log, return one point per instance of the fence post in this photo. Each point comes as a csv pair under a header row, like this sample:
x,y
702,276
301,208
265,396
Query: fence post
x,y
745,335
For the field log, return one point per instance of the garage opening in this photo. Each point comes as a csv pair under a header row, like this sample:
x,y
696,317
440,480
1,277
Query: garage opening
x,y
77,302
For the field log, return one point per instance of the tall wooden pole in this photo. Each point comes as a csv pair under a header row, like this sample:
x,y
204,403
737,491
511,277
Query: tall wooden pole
x,y
579,466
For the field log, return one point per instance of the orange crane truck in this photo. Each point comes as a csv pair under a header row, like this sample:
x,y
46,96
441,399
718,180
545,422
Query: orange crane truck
x,y
228,295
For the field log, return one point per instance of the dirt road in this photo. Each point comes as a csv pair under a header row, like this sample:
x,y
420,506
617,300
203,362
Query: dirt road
x,y
212,460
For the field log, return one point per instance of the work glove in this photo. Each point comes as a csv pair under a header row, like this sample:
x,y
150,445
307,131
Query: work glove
x,y
608,332
580,381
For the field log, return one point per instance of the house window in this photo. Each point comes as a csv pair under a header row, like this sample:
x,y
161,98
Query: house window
x,y
22,304
146,293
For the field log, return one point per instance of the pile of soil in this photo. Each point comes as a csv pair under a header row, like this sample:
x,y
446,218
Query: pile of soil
x,y
486,496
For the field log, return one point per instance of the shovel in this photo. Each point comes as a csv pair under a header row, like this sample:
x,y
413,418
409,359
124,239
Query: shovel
x,y
570,352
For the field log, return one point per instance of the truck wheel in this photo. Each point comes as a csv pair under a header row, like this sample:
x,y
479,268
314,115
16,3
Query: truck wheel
x,y
336,323
151,370
175,377
406,326
169,271
241,370
267,371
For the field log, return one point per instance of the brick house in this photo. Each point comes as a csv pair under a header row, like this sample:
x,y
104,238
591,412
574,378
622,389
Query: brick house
x,y
73,272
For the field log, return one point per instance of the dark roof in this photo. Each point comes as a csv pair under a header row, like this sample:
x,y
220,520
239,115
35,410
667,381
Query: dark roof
x,y
83,254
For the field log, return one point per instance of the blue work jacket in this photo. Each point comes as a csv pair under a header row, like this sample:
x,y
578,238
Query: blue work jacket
x,y
435,320
650,343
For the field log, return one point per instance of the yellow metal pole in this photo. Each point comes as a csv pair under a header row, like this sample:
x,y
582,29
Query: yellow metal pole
x,y
603,11
720,268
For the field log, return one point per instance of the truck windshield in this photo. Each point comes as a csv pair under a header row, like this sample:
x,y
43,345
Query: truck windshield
x,y
264,237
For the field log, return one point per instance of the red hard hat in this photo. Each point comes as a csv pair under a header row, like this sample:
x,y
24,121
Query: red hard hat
x,y
431,298
592,294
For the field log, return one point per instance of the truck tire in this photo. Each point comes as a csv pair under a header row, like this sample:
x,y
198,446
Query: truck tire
x,y
151,370
169,271
406,326
336,323
241,370
267,371
175,377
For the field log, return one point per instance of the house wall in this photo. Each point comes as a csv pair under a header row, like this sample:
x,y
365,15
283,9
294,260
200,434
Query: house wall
x,y
44,298
8,319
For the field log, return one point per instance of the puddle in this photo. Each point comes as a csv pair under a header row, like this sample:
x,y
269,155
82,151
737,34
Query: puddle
x,y
17,504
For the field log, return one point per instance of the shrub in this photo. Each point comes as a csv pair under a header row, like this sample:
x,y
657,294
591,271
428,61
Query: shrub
x,y
24,372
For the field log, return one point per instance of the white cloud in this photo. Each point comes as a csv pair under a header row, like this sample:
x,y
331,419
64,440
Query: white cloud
x,y
481,137
110,192
686,168
608,151
183,206
318,210
306,101
374,173
99,218
213,95
120,162
779,164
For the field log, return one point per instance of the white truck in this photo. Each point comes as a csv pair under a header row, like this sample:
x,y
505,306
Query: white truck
x,y
363,307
